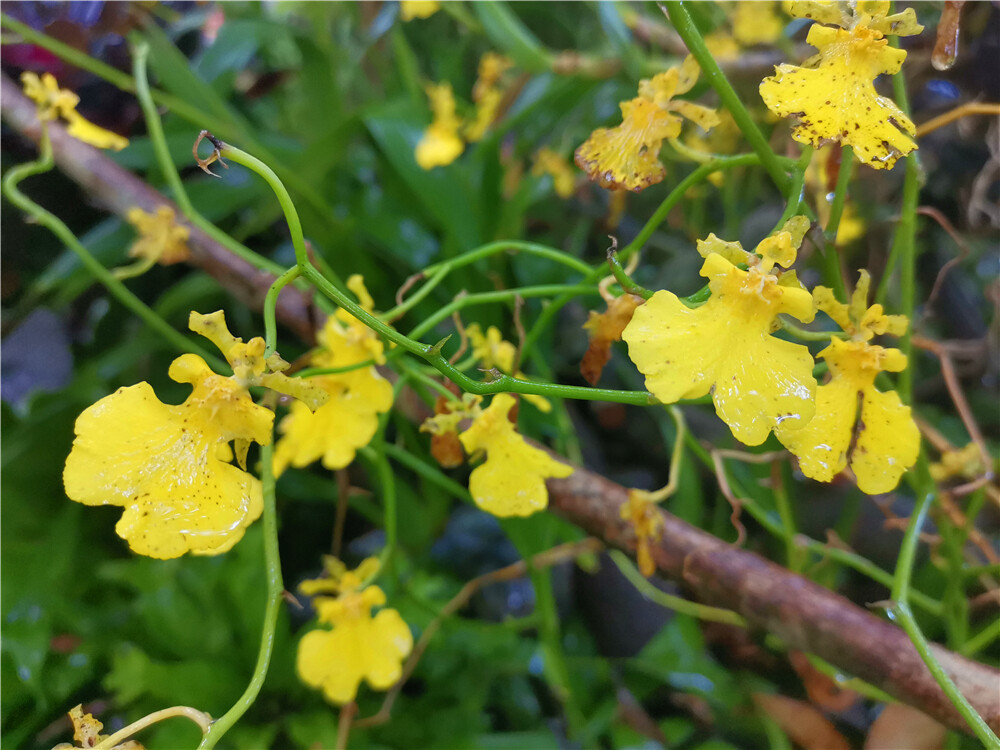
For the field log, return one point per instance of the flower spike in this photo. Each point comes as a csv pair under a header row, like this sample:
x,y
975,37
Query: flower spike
x,y
885,438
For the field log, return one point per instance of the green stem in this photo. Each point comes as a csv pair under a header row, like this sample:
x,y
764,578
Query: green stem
x,y
831,258
901,613
900,610
793,200
688,31
804,335
154,127
117,289
622,278
905,241
981,640
270,303
502,246
793,553
431,473
275,586
502,295
676,603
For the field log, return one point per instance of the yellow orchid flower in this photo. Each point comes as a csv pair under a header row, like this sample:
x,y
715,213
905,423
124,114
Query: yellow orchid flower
x,y
487,94
492,351
725,346
167,466
161,239
832,95
441,143
627,156
965,463
410,9
757,23
349,418
886,441
357,646
548,162
511,481
644,515
87,731
54,102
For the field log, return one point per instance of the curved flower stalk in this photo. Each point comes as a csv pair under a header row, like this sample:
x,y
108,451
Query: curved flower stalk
x,y
879,440
833,94
349,418
358,646
169,466
626,157
491,351
725,346
54,103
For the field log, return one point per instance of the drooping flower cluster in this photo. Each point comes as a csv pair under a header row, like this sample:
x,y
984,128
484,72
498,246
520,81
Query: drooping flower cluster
x,y
879,439
357,646
511,480
54,103
349,418
626,157
444,139
169,466
725,346
833,95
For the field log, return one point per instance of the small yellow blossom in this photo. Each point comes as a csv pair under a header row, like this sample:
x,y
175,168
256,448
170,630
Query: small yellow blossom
x,y
168,465
349,418
441,143
964,463
487,94
161,239
410,9
357,646
492,351
647,522
54,102
886,441
87,732
722,45
627,156
511,481
833,95
725,346
757,23
549,162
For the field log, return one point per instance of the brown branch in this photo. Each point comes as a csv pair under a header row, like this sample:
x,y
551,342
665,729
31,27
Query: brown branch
x,y
117,190
805,615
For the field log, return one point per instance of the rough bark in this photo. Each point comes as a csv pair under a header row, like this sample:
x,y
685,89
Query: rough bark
x,y
804,615
117,190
